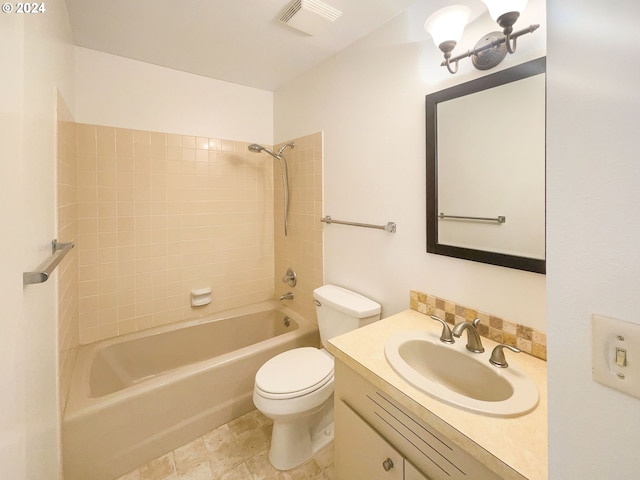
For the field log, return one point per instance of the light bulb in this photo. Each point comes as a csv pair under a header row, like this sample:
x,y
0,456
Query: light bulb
x,y
447,24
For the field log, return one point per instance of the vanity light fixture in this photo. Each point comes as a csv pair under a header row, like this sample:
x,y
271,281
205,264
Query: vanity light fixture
x,y
447,25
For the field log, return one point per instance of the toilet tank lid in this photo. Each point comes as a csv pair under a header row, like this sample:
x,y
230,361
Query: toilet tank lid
x,y
346,301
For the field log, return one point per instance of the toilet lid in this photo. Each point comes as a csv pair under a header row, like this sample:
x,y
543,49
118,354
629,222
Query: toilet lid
x,y
294,373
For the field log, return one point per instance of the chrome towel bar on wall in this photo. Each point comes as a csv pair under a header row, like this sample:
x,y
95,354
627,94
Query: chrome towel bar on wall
x,y
59,250
389,227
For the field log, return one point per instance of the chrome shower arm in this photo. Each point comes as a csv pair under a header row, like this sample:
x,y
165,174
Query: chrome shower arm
x,y
290,144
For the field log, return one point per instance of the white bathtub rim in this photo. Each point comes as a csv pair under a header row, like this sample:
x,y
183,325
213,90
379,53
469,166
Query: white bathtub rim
x,y
81,403
233,312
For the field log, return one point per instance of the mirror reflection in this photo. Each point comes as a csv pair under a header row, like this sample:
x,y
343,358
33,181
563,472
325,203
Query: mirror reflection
x,y
486,169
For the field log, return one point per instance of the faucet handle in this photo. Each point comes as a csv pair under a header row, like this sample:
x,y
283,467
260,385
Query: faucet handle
x,y
446,336
290,278
497,355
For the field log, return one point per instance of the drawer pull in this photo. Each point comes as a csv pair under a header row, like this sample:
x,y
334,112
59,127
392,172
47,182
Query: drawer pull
x,y
387,465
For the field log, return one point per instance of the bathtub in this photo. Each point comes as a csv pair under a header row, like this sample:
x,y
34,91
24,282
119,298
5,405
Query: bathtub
x,y
139,396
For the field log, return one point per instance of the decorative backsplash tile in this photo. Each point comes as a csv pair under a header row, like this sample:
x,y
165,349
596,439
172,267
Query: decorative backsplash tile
x,y
525,338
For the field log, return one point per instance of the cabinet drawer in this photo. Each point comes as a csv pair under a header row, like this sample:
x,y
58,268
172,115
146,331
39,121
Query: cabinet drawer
x,y
360,452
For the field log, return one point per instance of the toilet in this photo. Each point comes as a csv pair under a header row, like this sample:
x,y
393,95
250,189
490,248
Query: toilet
x,y
295,388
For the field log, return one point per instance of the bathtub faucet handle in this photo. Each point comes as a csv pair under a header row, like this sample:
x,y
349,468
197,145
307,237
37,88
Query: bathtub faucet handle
x,y
290,278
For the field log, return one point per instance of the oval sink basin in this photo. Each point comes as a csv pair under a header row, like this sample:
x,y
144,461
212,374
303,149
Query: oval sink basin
x,y
456,376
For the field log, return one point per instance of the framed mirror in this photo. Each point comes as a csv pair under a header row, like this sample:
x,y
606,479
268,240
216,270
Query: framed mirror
x,y
486,169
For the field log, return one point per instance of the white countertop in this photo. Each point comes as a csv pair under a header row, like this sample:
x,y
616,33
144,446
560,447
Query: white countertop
x,y
515,447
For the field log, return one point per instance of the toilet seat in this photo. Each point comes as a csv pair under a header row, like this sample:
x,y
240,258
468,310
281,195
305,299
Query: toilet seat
x,y
294,373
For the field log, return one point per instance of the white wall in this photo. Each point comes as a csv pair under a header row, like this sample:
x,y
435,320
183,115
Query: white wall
x,y
35,57
12,414
120,92
593,229
369,101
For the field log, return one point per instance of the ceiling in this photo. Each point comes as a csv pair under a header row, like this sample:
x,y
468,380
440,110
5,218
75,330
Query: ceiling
x,y
238,41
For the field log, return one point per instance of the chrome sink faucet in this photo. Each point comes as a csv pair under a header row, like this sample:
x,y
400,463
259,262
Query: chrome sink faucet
x,y
474,344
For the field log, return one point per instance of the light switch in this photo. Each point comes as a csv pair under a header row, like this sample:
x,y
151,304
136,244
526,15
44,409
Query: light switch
x,y
615,346
621,357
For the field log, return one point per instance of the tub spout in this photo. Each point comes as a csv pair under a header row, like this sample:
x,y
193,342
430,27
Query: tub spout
x,y
287,296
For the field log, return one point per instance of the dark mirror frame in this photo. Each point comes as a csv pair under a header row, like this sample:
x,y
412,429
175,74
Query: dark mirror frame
x,y
519,72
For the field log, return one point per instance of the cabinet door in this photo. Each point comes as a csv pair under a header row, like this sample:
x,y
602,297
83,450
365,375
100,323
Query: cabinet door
x,y
412,473
360,452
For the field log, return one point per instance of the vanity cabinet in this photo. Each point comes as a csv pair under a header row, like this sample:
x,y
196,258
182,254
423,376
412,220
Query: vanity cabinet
x,y
377,439
362,454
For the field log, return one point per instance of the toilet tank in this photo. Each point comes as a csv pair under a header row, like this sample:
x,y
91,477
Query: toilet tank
x,y
340,310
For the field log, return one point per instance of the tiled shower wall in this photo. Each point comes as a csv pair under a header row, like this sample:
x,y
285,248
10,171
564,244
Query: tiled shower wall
x,y
67,271
162,214
301,249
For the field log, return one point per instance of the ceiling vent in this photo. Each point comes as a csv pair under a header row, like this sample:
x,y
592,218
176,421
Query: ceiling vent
x,y
309,16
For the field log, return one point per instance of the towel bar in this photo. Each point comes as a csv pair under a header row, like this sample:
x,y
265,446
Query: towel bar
x,y
59,250
389,227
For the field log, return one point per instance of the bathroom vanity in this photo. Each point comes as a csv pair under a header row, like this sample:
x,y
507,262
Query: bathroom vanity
x,y
387,429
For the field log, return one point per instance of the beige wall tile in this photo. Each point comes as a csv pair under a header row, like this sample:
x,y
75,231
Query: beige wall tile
x,y
159,214
67,165
301,249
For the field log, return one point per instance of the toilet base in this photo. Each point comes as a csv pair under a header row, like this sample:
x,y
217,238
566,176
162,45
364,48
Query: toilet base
x,y
293,443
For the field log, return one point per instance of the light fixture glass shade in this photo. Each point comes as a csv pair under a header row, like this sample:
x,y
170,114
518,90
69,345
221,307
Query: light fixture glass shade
x,y
447,24
500,7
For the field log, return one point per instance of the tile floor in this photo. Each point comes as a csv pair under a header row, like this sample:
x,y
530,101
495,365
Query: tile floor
x,y
238,450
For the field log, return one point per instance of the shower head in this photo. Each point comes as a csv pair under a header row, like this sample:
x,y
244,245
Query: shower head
x,y
254,147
